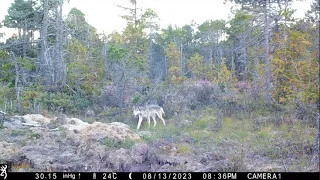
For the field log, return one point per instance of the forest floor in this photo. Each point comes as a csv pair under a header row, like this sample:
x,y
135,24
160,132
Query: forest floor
x,y
200,140
249,142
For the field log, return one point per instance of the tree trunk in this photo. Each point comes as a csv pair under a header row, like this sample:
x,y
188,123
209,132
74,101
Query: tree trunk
x,y
166,73
16,83
232,68
44,35
267,58
244,61
255,71
60,65
105,58
181,59
211,59
24,46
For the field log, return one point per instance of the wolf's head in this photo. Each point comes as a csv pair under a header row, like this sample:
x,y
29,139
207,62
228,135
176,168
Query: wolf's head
x,y
136,111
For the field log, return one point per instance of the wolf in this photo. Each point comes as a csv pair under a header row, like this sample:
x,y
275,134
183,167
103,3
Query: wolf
x,y
147,112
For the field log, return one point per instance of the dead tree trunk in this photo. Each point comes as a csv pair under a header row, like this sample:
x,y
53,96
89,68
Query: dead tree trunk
x,y
44,34
16,83
267,58
60,65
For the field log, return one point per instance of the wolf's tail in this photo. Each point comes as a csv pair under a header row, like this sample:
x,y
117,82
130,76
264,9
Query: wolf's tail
x,y
161,109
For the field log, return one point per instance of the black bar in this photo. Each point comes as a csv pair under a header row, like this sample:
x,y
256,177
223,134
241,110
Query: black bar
x,y
161,175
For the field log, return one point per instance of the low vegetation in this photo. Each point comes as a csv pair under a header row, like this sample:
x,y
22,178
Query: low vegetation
x,y
245,89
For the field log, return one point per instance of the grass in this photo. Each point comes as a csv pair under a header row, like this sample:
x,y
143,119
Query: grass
x,y
21,167
112,143
262,134
16,133
184,148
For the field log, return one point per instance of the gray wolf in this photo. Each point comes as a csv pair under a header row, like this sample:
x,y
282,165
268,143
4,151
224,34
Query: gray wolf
x,y
147,112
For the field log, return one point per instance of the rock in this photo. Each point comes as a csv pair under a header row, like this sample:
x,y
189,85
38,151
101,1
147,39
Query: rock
x,y
90,112
98,131
14,122
119,124
75,123
120,160
38,118
27,121
2,116
58,121
139,152
8,151
144,133
77,147
62,119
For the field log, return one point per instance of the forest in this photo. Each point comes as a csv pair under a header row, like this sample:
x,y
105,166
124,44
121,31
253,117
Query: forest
x,y
247,83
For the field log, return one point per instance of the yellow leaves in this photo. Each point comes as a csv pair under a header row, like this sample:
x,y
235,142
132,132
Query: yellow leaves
x,y
175,71
295,79
306,42
196,65
224,73
282,100
176,79
173,54
278,62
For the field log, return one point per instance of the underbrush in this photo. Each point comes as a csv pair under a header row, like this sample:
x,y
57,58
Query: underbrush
x,y
284,142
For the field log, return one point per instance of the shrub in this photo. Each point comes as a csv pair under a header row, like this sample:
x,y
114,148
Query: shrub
x,y
205,93
57,102
116,143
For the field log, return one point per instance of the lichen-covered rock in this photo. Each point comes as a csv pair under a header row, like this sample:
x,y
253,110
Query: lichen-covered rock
x,y
99,131
70,144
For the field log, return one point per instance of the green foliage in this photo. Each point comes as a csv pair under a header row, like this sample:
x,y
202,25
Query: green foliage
x,y
210,31
197,65
26,64
116,53
222,73
240,23
113,143
18,12
35,135
294,69
136,99
57,101
135,36
84,75
17,132
175,71
184,148
6,93
4,55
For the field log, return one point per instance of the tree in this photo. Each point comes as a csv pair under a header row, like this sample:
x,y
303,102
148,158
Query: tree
x,y
262,6
84,58
44,60
60,67
135,36
21,15
241,33
174,61
197,66
210,34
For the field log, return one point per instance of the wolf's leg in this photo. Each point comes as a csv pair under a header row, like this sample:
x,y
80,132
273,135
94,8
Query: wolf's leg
x,y
148,121
139,123
160,116
154,120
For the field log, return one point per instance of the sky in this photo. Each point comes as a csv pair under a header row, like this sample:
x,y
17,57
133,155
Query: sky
x,y
105,15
